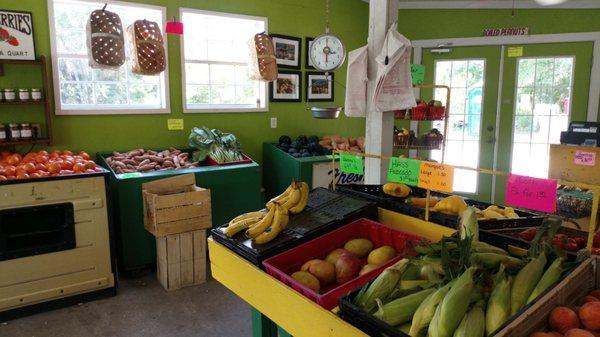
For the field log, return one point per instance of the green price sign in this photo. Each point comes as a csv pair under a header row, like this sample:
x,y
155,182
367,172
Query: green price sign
x,y
405,171
129,175
417,72
351,164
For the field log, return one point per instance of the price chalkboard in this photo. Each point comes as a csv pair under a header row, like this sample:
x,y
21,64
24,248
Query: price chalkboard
x,y
351,164
437,177
403,170
531,193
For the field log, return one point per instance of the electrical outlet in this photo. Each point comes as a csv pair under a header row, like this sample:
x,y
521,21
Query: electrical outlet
x,y
273,122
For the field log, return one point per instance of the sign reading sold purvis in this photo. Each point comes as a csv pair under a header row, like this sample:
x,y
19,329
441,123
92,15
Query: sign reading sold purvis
x,y
16,35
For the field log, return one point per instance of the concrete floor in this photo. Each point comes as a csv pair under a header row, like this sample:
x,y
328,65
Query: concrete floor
x,y
143,308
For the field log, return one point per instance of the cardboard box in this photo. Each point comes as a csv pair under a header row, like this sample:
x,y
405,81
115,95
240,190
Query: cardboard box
x,y
569,292
176,205
181,259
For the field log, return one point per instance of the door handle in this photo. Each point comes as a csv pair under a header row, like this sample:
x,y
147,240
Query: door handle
x,y
491,138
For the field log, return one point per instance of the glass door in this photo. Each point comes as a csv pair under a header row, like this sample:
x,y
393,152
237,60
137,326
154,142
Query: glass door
x,y
543,88
471,73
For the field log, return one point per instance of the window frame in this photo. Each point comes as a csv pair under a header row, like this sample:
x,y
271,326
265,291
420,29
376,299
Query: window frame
x,y
215,108
97,109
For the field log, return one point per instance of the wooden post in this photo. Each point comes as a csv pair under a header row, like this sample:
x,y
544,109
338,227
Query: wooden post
x,y
379,126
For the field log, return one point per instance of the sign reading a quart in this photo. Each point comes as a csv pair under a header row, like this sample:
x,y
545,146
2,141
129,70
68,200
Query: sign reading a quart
x,y
16,36
514,31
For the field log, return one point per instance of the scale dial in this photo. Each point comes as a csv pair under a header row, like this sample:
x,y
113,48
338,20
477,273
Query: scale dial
x,y
327,53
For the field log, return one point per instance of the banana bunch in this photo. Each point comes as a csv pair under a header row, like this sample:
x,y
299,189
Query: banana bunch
x,y
263,227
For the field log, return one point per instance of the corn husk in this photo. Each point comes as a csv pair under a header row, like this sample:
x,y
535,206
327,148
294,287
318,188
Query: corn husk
x,y
498,306
382,286
525,281
468,225
473,323
455,304
426,310
401,310
551,276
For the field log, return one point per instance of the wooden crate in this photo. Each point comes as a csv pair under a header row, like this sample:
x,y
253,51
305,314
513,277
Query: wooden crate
x,y
563,163
585,278
181,259
176,205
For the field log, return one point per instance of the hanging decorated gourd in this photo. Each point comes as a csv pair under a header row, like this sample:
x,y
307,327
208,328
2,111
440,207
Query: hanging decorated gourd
x,y
262,64
146,47
105,40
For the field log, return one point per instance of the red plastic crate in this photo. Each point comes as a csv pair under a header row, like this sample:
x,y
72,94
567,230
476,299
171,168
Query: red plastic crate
x,y
212,162
283,265
437,113
419,113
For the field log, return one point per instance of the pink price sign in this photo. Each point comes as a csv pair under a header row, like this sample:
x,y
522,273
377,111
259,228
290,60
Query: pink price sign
x,y
585,158
531,193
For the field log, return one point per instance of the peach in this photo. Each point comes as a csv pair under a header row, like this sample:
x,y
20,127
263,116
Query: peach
x,y
563,319
589,314
578,333
589,298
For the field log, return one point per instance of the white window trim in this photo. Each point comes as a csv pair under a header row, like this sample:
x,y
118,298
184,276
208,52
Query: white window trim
x,y
211,108
108,110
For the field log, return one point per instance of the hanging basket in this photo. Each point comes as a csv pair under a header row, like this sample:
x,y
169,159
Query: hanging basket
x,y
262,65
146,47
105,40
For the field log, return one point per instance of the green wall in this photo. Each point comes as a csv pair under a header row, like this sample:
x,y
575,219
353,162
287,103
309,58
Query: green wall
x,y
290,17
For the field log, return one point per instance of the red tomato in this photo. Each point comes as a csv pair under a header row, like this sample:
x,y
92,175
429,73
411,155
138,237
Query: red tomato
x,y
3,178
22,175
40,159
55,154
66,172
581,242
10,171
35,175
40,167
5,154
43,173
54,168
85,155
14,159
67,153
66,165
595,251
78,167
558,242
528,234
13,178
571,245
29,167
90,165
43,153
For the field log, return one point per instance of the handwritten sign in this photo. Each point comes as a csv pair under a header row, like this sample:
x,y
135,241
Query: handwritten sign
x,y
351,164
515,51
405,171
438,177
174,124
129,175
585,158
512,31
417,71
532,193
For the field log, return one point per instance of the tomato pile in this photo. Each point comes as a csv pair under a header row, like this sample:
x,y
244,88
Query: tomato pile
x,y
43,164
564,242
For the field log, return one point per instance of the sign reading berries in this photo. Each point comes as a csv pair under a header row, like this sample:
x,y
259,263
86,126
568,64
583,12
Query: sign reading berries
x,y
16,35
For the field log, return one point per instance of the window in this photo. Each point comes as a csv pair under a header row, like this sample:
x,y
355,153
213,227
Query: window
x,y
215,57
466,80
79,89
542,109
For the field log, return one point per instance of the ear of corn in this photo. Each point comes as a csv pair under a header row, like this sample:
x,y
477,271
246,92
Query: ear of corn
x,y
426,309
493,260
432,330
468,225
382,286
482,247
473,323
498,306
401,310
455,304
551,276
404,328
525,281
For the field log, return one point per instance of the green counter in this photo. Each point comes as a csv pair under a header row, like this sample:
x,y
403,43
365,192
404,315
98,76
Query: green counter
x,y
235,189
279,169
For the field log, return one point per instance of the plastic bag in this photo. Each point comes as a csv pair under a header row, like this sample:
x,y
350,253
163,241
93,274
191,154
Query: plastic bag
x,y
356,83
394,89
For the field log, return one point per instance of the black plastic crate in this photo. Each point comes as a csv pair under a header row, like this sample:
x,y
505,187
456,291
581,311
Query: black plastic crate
x,y
326,211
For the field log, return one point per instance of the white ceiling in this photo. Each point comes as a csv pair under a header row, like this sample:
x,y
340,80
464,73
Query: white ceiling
x,y
477,4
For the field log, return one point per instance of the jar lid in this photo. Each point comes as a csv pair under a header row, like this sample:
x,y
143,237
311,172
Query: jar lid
x,y
35,89
9,89
24,125
24,89
13,125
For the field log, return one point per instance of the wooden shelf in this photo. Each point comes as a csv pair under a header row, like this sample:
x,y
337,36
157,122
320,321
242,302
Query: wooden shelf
x,y
26,142
417,147
23,103
25,62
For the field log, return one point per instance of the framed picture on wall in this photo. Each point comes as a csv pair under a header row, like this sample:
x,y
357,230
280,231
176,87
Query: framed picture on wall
x,y
288,50
307,44
287,87
16,35
319,87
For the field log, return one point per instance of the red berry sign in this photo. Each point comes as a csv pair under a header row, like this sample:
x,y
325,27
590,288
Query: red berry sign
x,y
16,36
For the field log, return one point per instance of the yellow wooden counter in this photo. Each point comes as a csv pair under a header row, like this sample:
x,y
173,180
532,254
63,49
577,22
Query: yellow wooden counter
x,y
294,313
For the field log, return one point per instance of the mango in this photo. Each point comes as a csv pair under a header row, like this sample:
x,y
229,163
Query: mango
x,y
381,255
367,268
334,255
308,280
359,247
322,270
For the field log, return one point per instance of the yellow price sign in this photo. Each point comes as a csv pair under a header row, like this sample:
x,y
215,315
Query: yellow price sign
x,y
437,177
174,124
515,51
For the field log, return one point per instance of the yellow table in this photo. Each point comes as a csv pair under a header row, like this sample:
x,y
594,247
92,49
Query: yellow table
x,y
295,314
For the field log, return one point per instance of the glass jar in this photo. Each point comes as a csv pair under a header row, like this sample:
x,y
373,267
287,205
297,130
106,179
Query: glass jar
x,y
26,133
36,129
24,95
14,134
36,94
9,95
3,137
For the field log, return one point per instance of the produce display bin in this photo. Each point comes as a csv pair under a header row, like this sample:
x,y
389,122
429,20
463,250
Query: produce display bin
x,y
570,290
375,193
279,168
234,190
284,264
325,211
